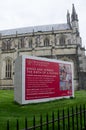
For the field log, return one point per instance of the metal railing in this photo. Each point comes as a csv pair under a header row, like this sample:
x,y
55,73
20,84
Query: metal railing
x,y
71,119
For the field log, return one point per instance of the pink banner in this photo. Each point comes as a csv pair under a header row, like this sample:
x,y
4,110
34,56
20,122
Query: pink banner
x,y
45,79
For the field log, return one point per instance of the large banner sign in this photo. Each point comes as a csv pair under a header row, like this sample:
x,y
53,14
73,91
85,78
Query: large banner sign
x,y
41,79
44,79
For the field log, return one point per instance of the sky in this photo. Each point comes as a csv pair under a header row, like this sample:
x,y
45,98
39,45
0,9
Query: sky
x,y
25,13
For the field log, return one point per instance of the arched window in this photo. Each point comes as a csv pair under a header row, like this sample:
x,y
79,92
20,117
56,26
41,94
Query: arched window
x,y
69,41
46,41
6,44
37,40
4,47
8,69
30,43
62,40
21,42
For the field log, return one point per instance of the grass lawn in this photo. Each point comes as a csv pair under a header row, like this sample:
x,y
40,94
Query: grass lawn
x,y
9,110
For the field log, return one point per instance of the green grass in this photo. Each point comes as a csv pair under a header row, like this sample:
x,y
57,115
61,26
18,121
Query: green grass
x,y
9,110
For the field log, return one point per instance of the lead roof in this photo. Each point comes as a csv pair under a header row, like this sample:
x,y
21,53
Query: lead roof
x,y
31,29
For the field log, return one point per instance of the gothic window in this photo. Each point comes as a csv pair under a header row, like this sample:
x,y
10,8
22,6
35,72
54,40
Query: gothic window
x,y
69,41
30,43
37,41
46,41
6,44
62,40
3,45
8,69
21,42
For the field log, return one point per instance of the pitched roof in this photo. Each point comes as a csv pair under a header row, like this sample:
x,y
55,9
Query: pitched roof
x,y
42,28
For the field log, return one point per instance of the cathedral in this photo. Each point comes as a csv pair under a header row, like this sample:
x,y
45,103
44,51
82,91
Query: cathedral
x,y
55,41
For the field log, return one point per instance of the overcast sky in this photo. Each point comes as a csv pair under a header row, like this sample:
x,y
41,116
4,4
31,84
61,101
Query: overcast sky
x,y
24,13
